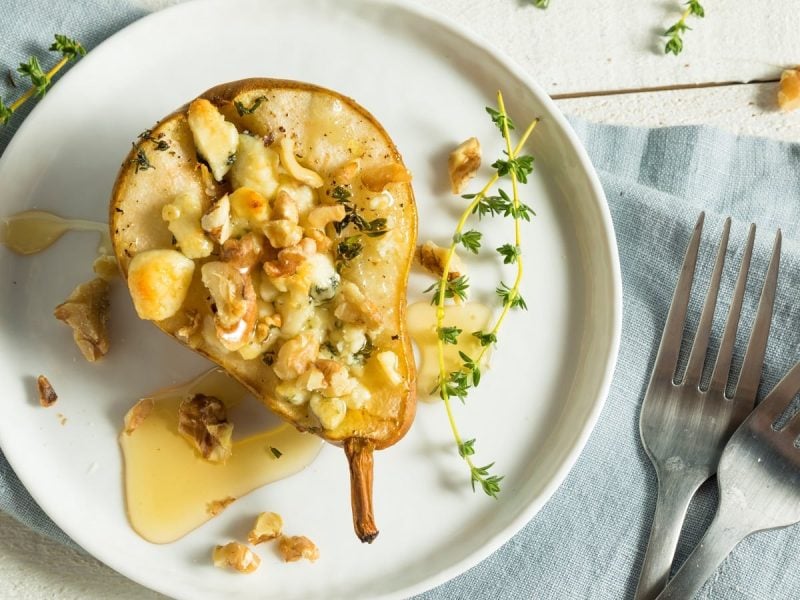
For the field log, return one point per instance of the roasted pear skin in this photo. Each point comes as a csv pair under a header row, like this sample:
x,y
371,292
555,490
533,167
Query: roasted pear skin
x,y
335,138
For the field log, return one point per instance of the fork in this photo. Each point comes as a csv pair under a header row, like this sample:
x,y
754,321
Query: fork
x,y
684,428
759,485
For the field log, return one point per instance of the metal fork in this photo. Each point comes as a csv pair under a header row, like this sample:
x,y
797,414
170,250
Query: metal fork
x,y
759,484
684,428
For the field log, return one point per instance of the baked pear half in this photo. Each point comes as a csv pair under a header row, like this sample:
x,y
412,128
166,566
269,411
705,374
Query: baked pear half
x,y
270,225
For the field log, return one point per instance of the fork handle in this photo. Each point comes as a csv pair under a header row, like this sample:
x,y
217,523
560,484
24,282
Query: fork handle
x,y
675,491
721,538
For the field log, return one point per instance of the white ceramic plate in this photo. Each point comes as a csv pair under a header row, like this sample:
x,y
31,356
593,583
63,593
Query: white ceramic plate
x,y
427,81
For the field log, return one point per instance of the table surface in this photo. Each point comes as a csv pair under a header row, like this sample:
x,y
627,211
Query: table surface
x,y
605,64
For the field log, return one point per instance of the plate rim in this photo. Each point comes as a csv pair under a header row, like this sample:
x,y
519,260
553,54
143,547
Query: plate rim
x,y
417,9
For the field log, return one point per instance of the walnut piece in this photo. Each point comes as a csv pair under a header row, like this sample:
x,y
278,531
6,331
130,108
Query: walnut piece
x,y
354,307
296,170
204,422
322,215
106,267
86,311
789,92
235,302
137,414
345,173
376,179
243,253
236,556
267,527
217,506
463,164
284,207
432,257
47,395
192,326
295,356
297,547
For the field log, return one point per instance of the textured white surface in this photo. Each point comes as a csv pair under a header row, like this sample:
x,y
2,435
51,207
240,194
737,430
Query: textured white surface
x,y
569,48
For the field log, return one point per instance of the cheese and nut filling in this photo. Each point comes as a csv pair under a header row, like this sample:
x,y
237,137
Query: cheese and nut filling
x,y
271,242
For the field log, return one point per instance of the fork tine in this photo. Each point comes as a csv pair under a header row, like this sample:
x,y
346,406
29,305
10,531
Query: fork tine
x,y
722,367
792,428
750,375
779,398
694,370
667,358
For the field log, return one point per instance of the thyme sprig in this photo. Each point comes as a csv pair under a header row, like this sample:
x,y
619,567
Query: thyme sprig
x,y
351,246
40,81
456,384
674,44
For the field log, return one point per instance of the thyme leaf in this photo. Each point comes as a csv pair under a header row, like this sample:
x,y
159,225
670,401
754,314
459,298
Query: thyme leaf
x,y
248,110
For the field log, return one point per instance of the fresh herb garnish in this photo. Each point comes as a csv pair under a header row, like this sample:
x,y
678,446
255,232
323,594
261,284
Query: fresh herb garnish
x,y
449,335
458,383
365,352
511,296
41,80
453,288
471,240
141,161
520,166
486,339
501,119
275,452
333,350
349,248
352,245
33,71
248,110
509,253
674,44
541,3
69,48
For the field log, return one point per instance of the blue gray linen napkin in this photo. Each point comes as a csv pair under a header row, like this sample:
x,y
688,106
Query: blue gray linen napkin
x,y
588,541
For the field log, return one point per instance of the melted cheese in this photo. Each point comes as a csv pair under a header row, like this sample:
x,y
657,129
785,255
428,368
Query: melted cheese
x,y
256,166
158,281
215,138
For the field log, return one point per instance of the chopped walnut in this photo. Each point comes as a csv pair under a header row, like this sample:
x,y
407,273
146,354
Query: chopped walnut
x,y
137,414
296,355
86,311
192,326
282,233
244,252
47,395
346,173
204,422
322,215
217,220
463,164
235,300
376,179
354,307
297,547
337,378
267,527
432,257
322,241
285,207
217,506
296,170
105,267
236,556
789,92
290,259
